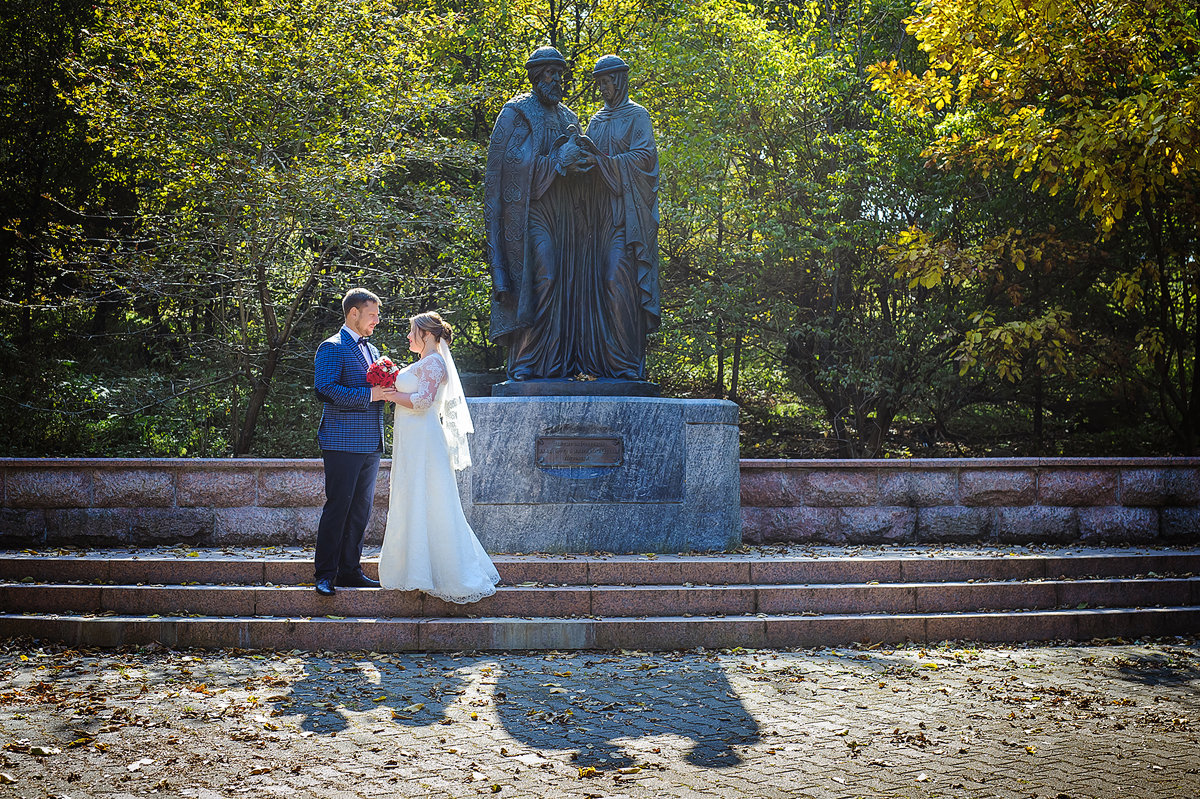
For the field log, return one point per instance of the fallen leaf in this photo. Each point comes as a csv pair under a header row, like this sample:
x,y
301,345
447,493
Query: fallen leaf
x,y
7,779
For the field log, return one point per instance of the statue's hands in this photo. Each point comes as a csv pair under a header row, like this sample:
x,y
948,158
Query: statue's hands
x,y
569,153
589,146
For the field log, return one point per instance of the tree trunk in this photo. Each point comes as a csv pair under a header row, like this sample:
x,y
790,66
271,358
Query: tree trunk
x,y
254,405
736,370
719,388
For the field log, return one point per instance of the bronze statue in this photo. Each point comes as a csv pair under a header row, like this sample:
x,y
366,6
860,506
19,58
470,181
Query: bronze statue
x,y
572,229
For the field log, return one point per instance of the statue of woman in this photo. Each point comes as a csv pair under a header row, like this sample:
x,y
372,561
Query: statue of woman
x,y
619,294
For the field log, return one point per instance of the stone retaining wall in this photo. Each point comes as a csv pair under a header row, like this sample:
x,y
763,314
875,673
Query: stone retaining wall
x,y
960,500
204,502
261,501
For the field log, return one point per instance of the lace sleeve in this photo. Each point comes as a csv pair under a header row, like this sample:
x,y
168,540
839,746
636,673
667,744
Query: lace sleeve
x,y
431,373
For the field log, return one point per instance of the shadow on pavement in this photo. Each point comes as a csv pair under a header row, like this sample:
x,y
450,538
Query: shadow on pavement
x,y
584,705
589,709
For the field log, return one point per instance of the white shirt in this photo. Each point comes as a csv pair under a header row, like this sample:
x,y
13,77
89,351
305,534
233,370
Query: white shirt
x,y
362,345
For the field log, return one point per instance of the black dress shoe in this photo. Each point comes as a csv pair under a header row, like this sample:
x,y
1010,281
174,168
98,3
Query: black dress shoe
x,y
358,580
325,587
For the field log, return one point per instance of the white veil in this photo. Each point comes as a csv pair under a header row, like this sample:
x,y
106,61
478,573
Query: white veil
x,y
452,408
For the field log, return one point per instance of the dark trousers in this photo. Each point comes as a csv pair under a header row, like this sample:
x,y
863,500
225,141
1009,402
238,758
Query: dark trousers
x,y
349,495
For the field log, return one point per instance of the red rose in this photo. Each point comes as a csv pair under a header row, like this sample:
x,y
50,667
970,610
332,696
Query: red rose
x,y
383,373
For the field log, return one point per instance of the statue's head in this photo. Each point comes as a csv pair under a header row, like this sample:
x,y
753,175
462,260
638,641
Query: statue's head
x,y
611,74
546,69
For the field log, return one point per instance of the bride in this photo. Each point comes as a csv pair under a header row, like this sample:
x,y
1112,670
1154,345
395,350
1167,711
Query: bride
x,y
427,544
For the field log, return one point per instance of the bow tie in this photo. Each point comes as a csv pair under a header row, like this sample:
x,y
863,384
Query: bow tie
x,y
363,340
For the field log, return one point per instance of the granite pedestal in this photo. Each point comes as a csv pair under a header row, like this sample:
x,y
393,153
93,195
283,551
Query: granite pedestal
x,y
601,474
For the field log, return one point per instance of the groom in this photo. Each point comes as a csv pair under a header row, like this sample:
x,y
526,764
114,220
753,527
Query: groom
x,y
351,438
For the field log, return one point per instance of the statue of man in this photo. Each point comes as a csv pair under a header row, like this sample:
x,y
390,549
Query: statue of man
x,y
531,195
621,306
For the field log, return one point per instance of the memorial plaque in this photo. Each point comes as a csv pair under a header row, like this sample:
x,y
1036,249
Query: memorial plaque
x,y
575,451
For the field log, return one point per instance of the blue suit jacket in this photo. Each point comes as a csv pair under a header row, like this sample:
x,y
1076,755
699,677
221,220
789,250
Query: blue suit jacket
x,y
350,422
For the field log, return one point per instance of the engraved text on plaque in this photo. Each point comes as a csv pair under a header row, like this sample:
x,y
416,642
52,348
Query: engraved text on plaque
x,y
566,451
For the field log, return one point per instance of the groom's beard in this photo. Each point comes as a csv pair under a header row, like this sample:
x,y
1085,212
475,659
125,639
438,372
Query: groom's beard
x,y
550,94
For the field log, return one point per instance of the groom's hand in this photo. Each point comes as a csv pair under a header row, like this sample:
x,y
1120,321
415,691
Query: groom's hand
x,y
381,393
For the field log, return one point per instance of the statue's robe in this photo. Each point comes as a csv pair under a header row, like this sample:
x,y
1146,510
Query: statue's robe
x,y
621,306
530,213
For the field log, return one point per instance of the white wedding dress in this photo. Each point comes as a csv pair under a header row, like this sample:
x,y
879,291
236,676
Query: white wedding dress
x,y
427,544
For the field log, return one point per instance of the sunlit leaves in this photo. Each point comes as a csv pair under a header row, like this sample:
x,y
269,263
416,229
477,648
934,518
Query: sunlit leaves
x,y
1098,98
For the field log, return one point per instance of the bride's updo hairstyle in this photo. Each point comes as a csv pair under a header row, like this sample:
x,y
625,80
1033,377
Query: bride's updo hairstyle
x,y
431,322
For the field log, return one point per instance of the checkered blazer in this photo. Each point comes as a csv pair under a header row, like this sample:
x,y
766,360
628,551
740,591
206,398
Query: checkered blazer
x,y
350,422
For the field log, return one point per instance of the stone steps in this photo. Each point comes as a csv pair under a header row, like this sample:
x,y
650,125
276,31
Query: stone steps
x,y
650,633
604,600
214,598
209,567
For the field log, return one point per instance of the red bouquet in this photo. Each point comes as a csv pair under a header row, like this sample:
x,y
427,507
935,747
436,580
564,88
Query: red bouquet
x,y
383,373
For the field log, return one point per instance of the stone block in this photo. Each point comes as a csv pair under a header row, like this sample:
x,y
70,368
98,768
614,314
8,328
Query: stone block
x,y
798,631
918,487
217,488
957,597
20,528
1181,525
43,599
654,484
791,525
792,571
95,525
1036,524
360,602
1002,626
291,488
373,536
1158,487
625,601
946,524
655,634
1078,487
472,634
629,571
996,487
526,602
836,599
48,488
841,488
1125,593
257,526
1118,524
877,525
133,488
649,466
383,486
772,488
208,600
156,525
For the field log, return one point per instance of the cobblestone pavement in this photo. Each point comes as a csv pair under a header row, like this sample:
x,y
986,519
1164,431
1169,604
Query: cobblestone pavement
x,y
1114,720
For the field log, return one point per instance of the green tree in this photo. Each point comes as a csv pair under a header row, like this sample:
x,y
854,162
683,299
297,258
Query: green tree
x,y
1096,100
283,150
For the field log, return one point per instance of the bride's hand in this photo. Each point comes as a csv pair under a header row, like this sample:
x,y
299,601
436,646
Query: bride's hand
x,y
385,394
